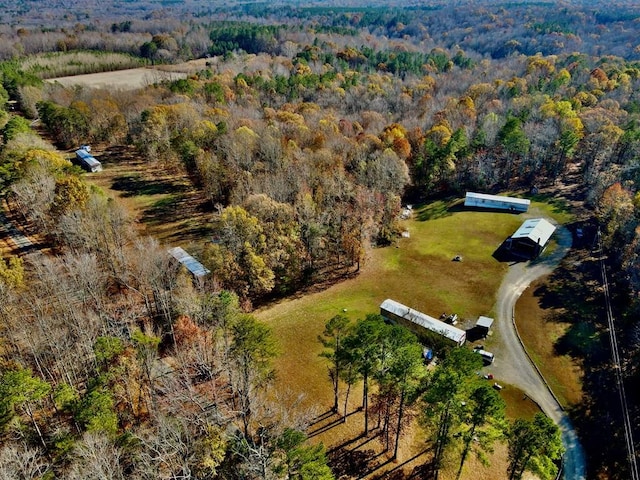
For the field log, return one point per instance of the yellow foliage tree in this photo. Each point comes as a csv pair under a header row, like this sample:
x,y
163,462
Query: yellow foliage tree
x,y
12,271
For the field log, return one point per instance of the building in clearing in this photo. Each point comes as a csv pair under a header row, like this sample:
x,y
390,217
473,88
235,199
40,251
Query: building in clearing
x,y
497,202
531,238
420,323
195,267
87,161
483,325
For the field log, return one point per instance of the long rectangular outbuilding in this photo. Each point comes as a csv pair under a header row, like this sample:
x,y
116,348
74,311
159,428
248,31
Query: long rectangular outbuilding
x,y
420,323
496,202
88,161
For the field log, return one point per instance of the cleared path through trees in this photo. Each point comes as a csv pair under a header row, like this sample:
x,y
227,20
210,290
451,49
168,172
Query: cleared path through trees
x,y
514,366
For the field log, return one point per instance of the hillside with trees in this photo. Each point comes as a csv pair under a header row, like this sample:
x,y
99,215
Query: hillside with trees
x,y
305,131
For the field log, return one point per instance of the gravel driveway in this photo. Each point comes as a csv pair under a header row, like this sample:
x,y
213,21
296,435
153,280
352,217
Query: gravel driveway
x,y
512,364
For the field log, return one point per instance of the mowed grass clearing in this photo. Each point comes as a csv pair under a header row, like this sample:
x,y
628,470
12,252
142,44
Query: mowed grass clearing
x,y
562,372
418,272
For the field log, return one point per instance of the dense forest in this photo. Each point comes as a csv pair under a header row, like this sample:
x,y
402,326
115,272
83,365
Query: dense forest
x,y
306,130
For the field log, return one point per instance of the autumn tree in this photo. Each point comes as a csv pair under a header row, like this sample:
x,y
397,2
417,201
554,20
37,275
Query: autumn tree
x,y
20,394
284,252
616,212
534,445
364,350
485,407
68,125
251,353
514,142
18,461
446,391
12,271
332,337
14,126
239,258
96,455
405,371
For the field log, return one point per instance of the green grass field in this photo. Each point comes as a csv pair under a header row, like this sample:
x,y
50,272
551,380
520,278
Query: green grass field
x,y
418,272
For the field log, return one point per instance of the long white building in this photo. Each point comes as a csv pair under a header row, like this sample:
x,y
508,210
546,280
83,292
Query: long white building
x,y
420,323
496,202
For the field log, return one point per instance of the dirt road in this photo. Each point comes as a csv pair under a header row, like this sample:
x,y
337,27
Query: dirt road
x,y
512,364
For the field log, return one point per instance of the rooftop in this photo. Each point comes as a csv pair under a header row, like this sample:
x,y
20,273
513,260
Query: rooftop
x,y
194,266
537,230
424,320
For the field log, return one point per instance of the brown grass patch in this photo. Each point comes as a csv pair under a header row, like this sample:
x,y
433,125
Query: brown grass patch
x,y
562,372
164,202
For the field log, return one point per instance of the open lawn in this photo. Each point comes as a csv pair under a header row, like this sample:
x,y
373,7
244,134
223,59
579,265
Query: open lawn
x,y
418,272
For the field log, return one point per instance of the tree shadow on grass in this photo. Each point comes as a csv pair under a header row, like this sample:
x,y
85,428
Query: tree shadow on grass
x,y
179,217
351,463
339,420
134,185
572,295
598,421
439,209
559,204
422,471
582,339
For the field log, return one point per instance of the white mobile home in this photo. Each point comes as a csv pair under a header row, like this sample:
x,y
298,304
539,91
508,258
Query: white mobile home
x,y
420,323
496,202
87,161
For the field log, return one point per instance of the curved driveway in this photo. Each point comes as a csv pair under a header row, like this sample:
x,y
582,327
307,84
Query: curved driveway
x,y
512,364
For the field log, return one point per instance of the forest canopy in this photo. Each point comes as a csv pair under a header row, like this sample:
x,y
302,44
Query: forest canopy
x,y
304,130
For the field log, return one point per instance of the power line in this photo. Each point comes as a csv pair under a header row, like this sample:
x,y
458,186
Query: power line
x,y
628,434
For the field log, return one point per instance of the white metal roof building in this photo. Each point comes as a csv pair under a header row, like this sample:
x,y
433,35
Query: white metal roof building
x,y
88,161
532,236
484,324
195,267
415,320
499,202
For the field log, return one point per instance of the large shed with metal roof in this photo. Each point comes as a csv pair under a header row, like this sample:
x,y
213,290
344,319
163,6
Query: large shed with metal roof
x,y
496,202
420,323
532,237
